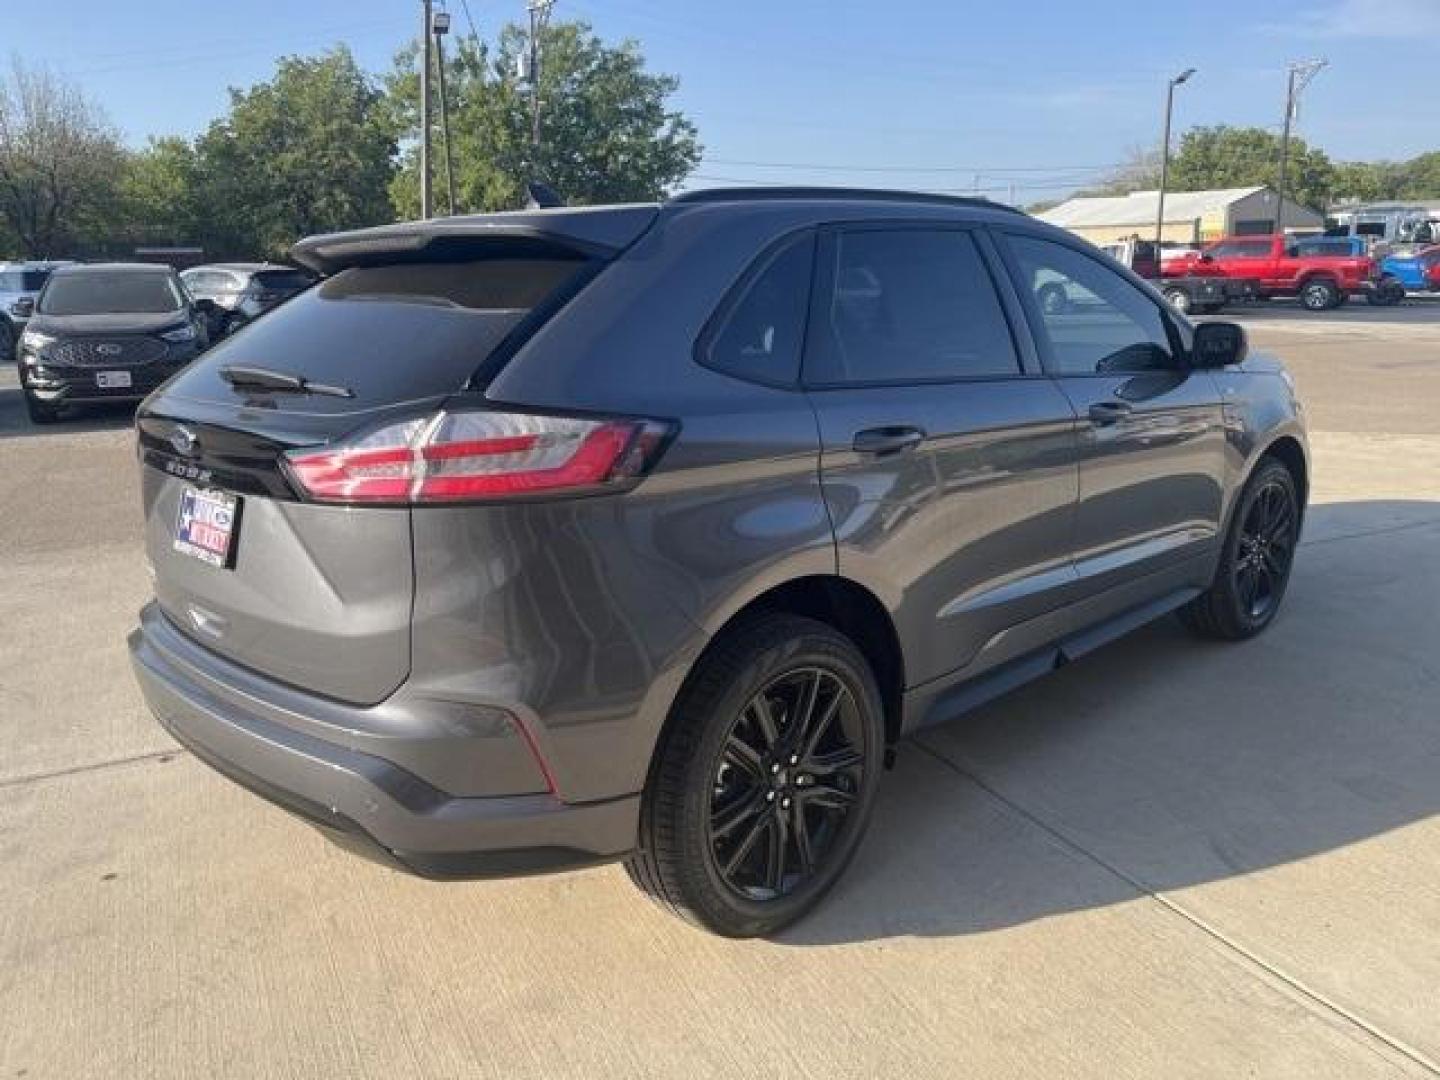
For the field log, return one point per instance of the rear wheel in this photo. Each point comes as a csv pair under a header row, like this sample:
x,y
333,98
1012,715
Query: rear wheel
x,y
41,412
1319,294
1255,563
7,340
765,779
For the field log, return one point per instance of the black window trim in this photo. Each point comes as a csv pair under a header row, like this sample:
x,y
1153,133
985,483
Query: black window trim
x,y
1178,341
823,277
740,289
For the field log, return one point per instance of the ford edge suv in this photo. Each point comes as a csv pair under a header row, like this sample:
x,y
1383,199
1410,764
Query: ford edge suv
x,y
531,540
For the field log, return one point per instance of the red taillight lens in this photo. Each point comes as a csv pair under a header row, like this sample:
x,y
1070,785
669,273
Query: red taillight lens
x,y
460,456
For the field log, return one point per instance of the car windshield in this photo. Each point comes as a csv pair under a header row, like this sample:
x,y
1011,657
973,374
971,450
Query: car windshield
x,y
100,292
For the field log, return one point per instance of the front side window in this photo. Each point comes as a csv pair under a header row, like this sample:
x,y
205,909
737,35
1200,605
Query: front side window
x,y
761,335
909,305
99,292
1093,320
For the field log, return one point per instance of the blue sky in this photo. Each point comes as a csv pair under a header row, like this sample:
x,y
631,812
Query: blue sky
x,y
932,94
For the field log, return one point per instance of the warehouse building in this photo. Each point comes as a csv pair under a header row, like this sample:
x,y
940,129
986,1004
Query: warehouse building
x,y
1190,216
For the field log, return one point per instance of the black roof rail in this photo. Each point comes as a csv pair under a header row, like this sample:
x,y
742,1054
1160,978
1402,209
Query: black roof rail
x,y
764,193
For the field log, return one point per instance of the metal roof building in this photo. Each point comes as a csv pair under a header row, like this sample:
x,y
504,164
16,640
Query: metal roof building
x,y
1190,216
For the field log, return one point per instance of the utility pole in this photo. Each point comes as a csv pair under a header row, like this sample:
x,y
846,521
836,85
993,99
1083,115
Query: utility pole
x,y
539,11
1300,75
440,24
425,110
1165,156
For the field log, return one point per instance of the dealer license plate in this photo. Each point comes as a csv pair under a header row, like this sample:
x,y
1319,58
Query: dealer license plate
x,y
205,527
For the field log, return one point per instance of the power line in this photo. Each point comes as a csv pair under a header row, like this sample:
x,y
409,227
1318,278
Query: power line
x,y
474,33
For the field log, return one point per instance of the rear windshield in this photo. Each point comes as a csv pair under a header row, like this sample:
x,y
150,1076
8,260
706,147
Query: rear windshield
x,y
98,292
388,333
23,280
283,280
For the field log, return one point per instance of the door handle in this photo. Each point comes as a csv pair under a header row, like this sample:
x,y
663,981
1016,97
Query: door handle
x,y
1109,412
887,440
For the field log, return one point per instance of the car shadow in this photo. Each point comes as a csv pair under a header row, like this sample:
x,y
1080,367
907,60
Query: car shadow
x,y
1162,762
15,424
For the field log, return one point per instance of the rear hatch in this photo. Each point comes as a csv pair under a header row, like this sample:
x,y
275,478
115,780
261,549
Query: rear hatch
x,y
320,596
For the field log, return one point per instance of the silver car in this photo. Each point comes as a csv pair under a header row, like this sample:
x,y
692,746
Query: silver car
x,y
531,540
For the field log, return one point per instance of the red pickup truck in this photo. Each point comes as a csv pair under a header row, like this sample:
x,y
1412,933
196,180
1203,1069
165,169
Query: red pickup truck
x,y
1278,268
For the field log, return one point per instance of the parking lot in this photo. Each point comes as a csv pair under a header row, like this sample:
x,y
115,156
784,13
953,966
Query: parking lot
x,y
1172,859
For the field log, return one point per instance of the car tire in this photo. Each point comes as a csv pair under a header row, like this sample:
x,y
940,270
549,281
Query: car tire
x,y
1255,562
41,412
764,779
9,340
1319,294
1178,299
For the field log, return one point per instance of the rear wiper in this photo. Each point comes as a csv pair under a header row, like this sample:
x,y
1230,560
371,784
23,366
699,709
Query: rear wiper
x,y
265,379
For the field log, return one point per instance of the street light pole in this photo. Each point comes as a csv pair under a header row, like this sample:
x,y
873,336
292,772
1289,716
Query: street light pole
x,y
425,111
441,27
1300,76
1165,157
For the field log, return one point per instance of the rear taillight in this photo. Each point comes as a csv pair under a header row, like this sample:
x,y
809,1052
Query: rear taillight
x,y
460,456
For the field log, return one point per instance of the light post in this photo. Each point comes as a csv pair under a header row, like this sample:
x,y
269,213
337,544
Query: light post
x,y
440,26
1165,156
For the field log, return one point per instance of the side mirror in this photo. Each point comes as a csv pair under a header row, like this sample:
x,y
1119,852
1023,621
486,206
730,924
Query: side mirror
x,y
1219,344
23,308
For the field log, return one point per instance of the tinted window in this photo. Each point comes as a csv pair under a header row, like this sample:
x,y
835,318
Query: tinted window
x,y
1241,249
1323,247
96,292
763,332
23,280
909,305
283,280
389,333
1092,319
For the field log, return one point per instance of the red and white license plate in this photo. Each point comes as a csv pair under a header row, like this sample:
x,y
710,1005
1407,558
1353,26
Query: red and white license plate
x,y
205,526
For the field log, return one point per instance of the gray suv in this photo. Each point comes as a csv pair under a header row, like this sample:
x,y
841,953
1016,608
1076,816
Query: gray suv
x,y
532,540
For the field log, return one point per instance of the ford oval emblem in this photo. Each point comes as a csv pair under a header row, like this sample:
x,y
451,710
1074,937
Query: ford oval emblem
x,y
184,440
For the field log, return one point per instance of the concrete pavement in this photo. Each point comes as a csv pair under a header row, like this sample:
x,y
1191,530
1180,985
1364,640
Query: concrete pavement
x,y
1172,859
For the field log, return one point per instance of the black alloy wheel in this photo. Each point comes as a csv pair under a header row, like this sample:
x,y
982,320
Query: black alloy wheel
x,y
764,779
1256,560
789,774
1267,548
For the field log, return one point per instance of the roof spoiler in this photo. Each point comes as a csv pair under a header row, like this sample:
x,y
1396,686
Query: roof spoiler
x,y
573,232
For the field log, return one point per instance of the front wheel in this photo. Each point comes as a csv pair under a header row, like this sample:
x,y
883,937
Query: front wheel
x,y
765,779
1255,562
8,340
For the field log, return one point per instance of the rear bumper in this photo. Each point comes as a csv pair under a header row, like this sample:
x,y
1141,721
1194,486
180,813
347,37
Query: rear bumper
x,y
366,801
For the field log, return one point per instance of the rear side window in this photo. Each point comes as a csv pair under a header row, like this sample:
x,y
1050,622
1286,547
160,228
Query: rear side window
x,y
761,331
389,333
908,305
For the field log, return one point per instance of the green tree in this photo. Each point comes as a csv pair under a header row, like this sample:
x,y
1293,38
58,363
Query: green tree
x,y
608,133
161,194
59,158
1223,157
312,150
1419,178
